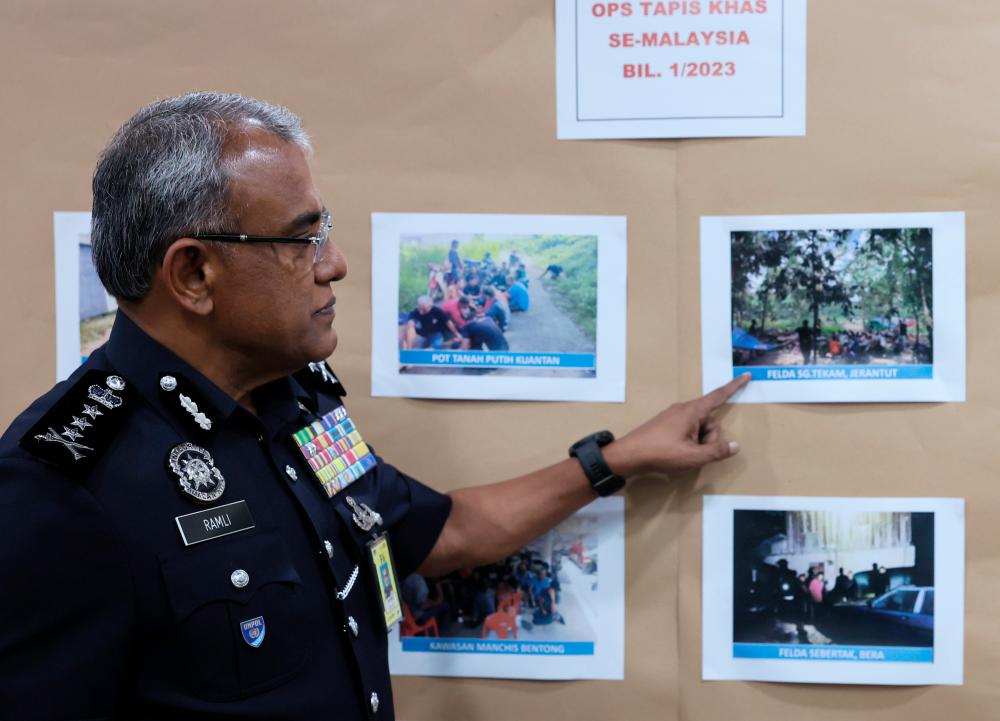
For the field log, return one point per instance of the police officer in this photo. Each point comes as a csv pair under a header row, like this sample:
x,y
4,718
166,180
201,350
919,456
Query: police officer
x,y
195,526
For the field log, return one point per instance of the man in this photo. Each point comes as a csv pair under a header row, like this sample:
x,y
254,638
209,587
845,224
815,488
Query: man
x,y
455,260
195,521
805,342
518,292
428,326
483,334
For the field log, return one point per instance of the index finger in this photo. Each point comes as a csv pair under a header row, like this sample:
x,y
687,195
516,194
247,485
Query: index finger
x,y
710,401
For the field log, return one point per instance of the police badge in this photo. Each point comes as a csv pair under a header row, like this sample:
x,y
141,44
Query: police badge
x,y
199,478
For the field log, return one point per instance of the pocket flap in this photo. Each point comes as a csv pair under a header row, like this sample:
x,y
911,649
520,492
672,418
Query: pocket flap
x,y
203,574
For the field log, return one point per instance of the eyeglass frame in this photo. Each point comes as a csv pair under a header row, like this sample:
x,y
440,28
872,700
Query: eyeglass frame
x,y
319,240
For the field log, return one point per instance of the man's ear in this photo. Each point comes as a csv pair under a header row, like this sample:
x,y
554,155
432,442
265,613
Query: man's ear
x,y
189,271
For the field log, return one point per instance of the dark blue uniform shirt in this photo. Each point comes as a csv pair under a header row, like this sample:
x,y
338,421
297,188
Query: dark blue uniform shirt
x,y
105,613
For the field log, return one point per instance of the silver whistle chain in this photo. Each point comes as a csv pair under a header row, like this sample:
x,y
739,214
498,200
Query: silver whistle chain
x,y
341,595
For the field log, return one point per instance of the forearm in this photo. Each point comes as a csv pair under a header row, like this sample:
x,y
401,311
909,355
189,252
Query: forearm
x,y
491,522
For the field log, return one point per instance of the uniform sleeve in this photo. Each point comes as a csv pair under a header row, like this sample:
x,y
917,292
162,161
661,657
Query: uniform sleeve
x,y
65,600
414,513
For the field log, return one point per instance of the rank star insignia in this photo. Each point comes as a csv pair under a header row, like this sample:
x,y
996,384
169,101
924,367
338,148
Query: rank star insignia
x,y
199,478
80,423
92,411
71,434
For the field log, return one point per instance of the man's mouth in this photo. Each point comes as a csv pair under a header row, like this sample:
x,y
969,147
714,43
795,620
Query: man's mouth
x,y
328,308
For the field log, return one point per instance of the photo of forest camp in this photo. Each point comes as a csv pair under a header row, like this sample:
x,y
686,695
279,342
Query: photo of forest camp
x,y
547,591
832,297
500,294
824,578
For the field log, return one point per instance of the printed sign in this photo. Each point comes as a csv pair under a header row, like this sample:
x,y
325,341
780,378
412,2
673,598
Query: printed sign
x,y
680,68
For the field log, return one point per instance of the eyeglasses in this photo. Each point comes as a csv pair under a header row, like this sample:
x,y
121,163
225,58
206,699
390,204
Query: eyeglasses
x,y
319,239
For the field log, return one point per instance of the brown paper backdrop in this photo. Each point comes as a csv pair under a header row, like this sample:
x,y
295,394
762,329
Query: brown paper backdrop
x,y
438,106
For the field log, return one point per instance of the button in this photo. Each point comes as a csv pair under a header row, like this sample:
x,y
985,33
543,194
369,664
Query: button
x,y
240,578
374,702
260,437
328,547
168,383
290,472
116,383
353,625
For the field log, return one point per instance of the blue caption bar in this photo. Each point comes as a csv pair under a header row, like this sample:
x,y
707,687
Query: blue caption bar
x,y
835,373
792,652
495,359
497,646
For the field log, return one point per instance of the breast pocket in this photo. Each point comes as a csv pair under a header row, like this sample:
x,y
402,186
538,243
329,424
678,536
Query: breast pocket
x,y
238,616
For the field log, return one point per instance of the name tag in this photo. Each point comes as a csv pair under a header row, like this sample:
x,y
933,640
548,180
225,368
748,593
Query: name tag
x,y
214,522
385,580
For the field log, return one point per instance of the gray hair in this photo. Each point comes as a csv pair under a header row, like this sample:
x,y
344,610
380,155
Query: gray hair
x,y
161,178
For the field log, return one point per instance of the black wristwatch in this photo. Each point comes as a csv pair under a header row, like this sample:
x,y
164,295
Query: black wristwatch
x,y
588,452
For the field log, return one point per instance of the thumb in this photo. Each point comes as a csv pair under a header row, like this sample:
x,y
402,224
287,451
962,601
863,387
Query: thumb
x,y
720,449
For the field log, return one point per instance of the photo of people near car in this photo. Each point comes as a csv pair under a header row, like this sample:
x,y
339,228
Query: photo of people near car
x,y
827,578
818,589
492,303
545,611
835,308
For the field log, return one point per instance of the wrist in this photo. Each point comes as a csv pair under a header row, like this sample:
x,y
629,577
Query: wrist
x,y
620,459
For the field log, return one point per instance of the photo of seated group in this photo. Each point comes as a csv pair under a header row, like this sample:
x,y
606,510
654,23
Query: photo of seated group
x,y
835,308
547,602
505,304
834,590
848,303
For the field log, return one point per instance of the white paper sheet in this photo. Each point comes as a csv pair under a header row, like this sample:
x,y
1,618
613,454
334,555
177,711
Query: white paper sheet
x,y
568,345
876,349
84,310
589,548
701,68
762,622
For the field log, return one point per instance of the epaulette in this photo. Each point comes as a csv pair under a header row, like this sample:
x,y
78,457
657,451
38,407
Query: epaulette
x,y
320,377
194,412
79,427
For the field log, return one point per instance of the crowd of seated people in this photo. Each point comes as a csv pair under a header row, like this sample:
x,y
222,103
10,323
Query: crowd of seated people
x,y
468,304
522,586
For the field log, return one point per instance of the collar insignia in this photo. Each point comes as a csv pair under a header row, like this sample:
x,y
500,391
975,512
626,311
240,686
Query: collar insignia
x,y
182,399
318,376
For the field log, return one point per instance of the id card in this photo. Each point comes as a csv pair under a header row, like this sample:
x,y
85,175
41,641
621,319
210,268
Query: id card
x,y
385,580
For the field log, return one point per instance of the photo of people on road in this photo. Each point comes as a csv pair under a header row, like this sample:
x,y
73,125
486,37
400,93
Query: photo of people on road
x,y
549,601
835,308
507,307
496,295
833,590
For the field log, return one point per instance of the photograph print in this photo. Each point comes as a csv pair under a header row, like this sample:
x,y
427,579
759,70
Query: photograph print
x,y
85,311
553,609
527,307
837,582
834,310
